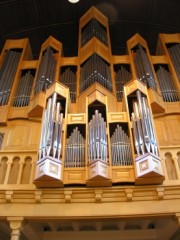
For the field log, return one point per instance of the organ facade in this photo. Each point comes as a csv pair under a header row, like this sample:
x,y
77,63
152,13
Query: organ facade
x,y
94,136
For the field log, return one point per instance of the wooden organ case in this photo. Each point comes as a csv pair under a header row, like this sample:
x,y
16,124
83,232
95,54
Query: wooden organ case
x,y
95,119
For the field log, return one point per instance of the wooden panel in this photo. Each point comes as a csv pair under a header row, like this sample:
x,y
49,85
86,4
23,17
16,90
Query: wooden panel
x,y
34,135
172,107
156,101
98,92
98,170
19,43
159,59
18,112
134,85
96,95
4,113
148,169
68,61
117,117
173,123
29,64
161,130
92,46
48,173
22,135
120,59
123,174
77,176
93,12
53,43
59,88
76,118
132,42
36,105
171,38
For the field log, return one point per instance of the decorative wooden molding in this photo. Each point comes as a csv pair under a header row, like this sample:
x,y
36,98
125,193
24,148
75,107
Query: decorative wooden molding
x,y
25,194
68,196
98,195
160,192
9,196
37,104
129,194
38,196
48,173
148,169
98,174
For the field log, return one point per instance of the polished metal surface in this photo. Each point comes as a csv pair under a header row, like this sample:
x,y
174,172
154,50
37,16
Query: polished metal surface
x,y
144,68
75,150
121,154
168,89
51,132
7,74
144,134
23,91
46,71
122,77
68,78
95,69
97,140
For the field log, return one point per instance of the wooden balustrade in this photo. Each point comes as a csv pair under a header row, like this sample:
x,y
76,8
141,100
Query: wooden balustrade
x,y
17,169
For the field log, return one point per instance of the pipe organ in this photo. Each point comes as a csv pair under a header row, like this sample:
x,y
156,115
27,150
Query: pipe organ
x,y
97,140
22,95
68,78
167,87
121,153
174,52
95,69
46,71
75,149
94,119
122,76
7,73
143,68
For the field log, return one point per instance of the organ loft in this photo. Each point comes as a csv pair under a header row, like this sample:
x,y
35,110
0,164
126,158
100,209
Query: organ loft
x,y
90,144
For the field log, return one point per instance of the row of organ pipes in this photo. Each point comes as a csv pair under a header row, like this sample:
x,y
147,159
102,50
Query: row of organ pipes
x,y
75,149
167,87
23,91
97,140
143,131
7,74
95,69
51,133
68,78
121,153
75,146
122,77
174,52
93,29
46,71
143,68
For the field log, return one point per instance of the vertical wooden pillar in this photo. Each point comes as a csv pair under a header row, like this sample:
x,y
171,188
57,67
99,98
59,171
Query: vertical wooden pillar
x,y
16,227
32,172
20,171
8,171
